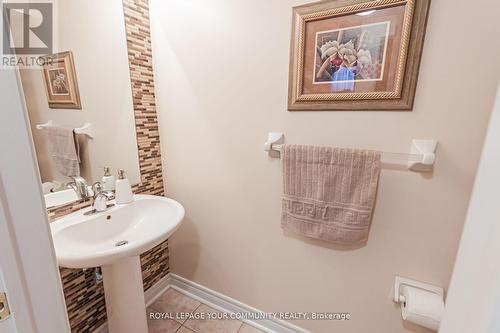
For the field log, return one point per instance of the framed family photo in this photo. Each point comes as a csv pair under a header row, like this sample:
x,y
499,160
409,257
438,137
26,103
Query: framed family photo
x,y
356,54
61,85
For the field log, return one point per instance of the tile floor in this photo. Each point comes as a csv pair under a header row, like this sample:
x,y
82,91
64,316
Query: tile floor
x,y
173,302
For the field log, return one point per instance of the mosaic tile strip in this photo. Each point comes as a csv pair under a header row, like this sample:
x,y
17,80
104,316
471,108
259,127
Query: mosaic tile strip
x,y
84,297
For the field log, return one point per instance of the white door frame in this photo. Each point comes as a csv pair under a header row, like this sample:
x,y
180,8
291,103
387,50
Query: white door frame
x,y
473,302
27,259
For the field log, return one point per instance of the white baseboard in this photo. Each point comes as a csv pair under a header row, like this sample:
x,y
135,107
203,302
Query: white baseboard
x,y
157,289
230,305
217,301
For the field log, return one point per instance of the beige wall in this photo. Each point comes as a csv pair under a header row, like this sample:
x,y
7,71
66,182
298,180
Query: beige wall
x,y
221,71
95,32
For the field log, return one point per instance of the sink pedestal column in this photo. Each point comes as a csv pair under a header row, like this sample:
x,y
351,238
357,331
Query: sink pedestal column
x,y
124,293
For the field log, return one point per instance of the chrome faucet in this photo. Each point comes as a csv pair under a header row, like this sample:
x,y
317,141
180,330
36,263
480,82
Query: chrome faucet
x,y
79,185
100,201
101,198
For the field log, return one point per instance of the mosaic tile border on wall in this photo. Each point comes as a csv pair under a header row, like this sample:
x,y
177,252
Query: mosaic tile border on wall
x,y
84,298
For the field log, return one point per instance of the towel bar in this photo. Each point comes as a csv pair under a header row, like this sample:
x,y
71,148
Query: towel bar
x,y
421,157
86,129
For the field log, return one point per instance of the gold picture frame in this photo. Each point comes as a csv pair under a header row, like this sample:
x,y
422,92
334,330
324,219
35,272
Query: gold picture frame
x,y
356,54
61,85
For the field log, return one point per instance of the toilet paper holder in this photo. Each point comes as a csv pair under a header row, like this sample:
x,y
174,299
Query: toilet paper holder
x,y
402,281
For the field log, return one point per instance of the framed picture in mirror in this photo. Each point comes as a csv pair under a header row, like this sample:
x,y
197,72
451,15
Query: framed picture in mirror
x,y
61,85
356,54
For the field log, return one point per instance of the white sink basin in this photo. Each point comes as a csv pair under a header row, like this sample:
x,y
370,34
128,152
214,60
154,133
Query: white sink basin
x,y
90,241
114,240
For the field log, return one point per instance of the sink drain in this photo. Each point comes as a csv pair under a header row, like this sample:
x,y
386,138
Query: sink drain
x,y
121,243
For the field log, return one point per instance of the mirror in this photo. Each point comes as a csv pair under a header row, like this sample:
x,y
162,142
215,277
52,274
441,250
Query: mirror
x,y
83,94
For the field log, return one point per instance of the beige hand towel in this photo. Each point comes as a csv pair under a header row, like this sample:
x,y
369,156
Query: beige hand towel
x,y
329,193
64,150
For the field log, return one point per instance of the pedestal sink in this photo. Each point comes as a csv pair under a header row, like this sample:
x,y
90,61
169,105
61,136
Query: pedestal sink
x,y
114,239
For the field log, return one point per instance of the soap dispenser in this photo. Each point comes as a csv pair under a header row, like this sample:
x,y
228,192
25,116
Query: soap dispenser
x,y
123,193
108,180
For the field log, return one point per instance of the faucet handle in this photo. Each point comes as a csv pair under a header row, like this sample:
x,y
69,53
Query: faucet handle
x,y
97,188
